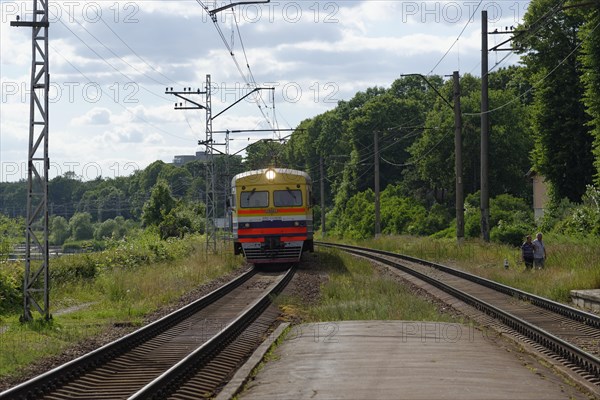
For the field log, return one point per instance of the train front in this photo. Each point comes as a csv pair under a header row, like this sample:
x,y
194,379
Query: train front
x,y
272,215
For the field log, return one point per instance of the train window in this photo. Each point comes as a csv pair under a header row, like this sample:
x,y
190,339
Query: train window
x,y
287,198
254,199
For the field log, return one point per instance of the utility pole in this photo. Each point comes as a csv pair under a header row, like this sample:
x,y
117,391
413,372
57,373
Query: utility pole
x,y
321,173
377,204
36,279
186,94
485,134
460,211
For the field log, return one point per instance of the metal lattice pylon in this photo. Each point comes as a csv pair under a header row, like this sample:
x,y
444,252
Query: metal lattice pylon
x,y
36,282
211,209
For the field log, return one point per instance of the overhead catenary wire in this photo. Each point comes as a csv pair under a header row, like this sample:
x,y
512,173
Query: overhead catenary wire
x,y
113,53
249,80
542,79
456,40
137,55
136,116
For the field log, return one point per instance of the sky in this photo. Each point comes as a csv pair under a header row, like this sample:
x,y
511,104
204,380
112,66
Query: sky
x,y
112,63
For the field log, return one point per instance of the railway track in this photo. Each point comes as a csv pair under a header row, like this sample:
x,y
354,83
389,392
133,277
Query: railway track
x,y
566,334
186,355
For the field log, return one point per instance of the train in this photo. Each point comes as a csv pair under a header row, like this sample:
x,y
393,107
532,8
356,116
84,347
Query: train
x,y
272,215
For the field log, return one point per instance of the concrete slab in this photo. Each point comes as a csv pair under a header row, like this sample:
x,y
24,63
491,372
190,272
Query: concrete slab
x,y
403,360
588,299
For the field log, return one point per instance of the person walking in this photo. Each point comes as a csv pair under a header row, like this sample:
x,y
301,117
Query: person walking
x,y
527,250
539,252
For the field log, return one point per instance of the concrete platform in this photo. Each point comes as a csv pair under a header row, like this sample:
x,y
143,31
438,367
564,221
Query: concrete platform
x,y
403,360
588,299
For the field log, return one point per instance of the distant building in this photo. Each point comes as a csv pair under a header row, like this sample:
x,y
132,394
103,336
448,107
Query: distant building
x,y
180,160
540,193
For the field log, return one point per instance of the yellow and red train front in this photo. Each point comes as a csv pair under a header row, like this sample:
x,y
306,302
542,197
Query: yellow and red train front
x,y
272,215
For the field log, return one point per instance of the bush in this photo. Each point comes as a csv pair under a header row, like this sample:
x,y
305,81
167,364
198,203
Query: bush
x,y
510,218
105,230
11,288
59,230
510,233
573,219
435,220
81,226
73,268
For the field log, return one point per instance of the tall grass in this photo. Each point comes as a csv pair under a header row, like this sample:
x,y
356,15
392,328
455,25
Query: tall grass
x,y
571,263
354,291
117,294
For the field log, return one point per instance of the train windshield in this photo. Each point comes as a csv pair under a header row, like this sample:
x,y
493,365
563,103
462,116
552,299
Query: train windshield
x,y
287,198
254,199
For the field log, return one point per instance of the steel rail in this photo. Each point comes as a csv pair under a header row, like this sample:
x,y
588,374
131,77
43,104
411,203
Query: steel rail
x,y
558,308
566,350
165,384
38,386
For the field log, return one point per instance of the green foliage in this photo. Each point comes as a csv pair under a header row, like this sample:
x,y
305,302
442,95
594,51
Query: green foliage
x,y
432,152
11,232
159,205
73,268
563,142
105,230
81,227
511,233
576,219
179,179
263,154
184,218
400,214
11,288
511,219
358,221
59,230
590,60
127,254
436,219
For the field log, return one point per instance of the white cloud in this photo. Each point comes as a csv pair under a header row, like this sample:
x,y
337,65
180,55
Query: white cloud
x,y
96,116
108,77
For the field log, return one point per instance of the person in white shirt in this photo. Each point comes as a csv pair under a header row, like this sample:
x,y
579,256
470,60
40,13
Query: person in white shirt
x,y
539,252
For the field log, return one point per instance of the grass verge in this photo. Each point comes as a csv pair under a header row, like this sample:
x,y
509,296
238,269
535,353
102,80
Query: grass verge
x,y
571,263
356,291
116,296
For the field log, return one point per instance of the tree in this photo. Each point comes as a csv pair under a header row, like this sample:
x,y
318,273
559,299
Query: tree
x,y
263,154
590,59
11,232
81,227
159,205
105,230
59,230
432,154
563,142
179,179
61,193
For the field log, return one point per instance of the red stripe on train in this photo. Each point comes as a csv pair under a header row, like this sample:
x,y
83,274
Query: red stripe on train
x,y
277,210
271,231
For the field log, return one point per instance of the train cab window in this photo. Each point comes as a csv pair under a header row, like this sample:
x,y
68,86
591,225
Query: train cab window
x,y
254,199
287,198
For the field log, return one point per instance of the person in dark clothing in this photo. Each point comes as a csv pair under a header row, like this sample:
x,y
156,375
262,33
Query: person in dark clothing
x,y
527,252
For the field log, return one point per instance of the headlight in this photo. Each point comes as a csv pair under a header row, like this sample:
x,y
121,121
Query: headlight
x,y
296,223
270,174
247,225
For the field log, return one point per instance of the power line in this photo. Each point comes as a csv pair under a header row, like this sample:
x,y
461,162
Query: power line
x,y
456,41
538,82
112,52
120,105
